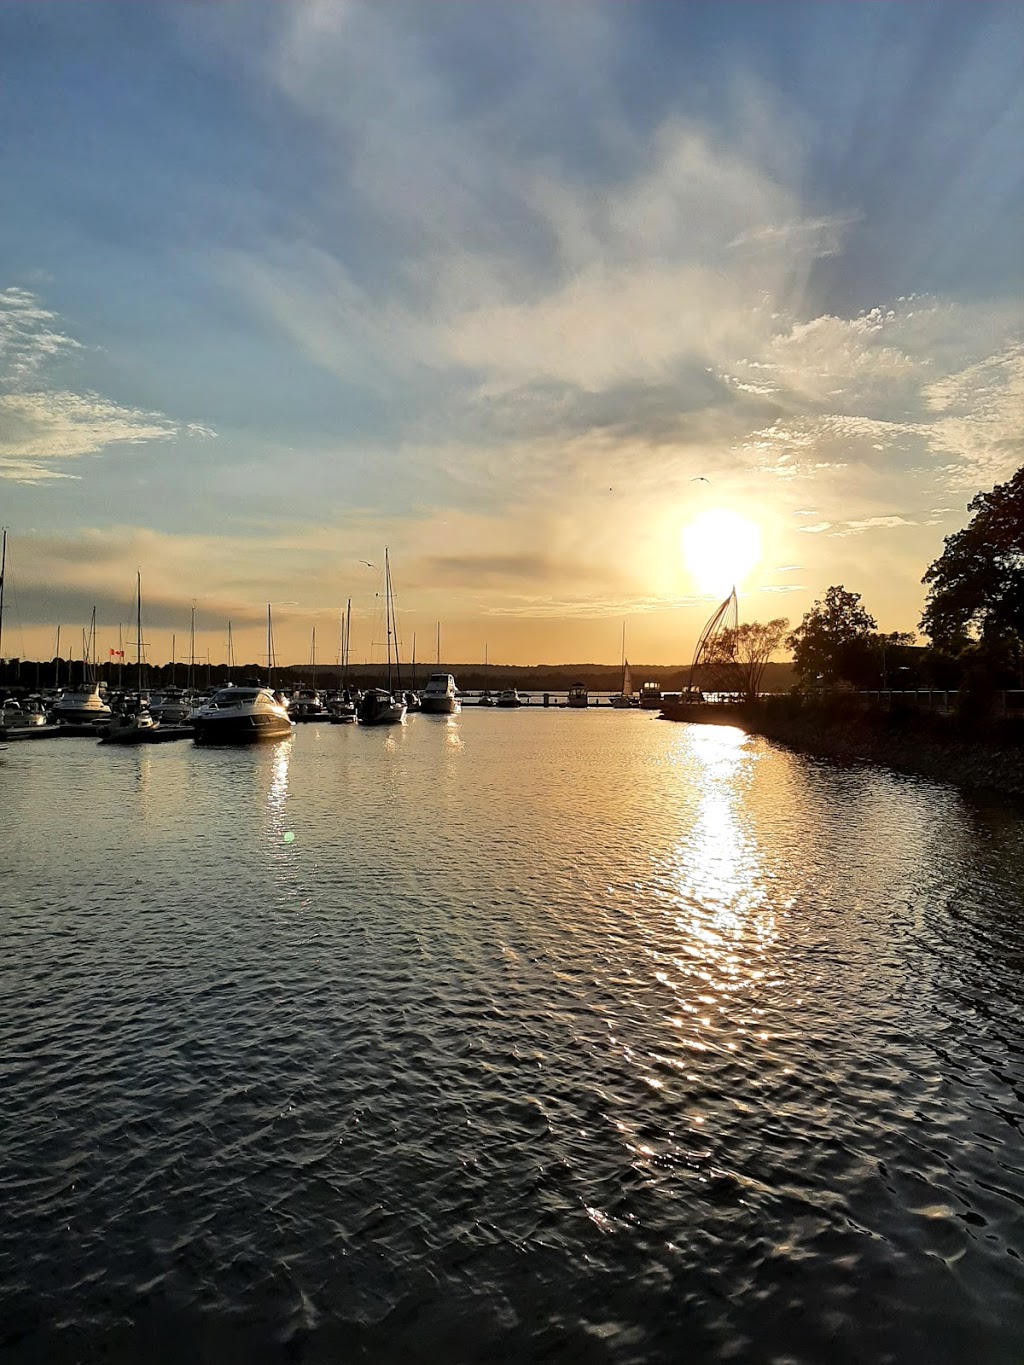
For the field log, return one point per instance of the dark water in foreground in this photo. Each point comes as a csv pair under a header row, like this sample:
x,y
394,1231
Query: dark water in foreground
x,y
549,1036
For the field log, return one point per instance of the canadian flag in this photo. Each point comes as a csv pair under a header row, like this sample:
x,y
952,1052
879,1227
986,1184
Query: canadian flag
x,y
117,653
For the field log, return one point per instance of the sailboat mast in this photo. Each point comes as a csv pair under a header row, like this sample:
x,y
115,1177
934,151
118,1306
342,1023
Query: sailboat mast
x,y
387,608
231,654
138,628
312,659
56,666
413,661
3,567
174,641
270,651
192,651
120,656
345,646
439,644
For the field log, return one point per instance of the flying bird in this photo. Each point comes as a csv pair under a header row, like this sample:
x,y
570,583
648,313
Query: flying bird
x,y
367,563
699,478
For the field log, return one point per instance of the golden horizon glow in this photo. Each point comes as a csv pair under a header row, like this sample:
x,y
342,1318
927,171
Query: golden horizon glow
x,y
721,549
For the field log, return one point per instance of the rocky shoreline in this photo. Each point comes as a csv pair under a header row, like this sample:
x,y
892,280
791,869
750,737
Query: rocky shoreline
x,y
978,756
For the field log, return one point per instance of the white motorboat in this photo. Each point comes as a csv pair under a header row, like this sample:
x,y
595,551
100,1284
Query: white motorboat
x,y
78,705
510,697
240,715
578,698
440,697
14,716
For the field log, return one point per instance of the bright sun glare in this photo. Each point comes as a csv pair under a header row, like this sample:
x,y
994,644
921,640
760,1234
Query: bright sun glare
x,y
720,548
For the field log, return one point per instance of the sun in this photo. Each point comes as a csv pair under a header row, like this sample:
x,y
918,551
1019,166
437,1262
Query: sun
x,y
720,549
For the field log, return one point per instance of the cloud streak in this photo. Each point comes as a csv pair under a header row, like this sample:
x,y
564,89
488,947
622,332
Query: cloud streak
x,y
45,423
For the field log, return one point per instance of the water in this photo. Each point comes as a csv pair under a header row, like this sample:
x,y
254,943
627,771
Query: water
x,y
549,1036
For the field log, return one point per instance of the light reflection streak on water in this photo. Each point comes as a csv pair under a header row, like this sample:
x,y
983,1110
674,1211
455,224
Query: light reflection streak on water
x,y
716,880
277,790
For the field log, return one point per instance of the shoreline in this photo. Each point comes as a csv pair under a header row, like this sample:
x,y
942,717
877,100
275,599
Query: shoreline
x,y
980,756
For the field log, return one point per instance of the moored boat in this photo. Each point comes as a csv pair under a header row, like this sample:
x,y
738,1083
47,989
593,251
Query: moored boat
x,y
440,697
133,724
378,706
240,715
578,697
510,697
77,705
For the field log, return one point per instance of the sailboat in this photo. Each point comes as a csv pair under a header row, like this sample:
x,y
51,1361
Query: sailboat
x,y
134,724
625,699
78,704
307,704
380,706
343,706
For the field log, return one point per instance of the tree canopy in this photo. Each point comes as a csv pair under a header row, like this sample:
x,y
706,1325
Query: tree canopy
x,y
738,655
831,641
976,586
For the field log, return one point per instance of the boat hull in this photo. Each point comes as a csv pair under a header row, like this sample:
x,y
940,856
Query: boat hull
x,y
242,729
439,706
380,708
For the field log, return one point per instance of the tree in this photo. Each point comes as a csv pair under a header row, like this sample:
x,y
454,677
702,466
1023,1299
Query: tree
x,y
832,640
742,653
976,586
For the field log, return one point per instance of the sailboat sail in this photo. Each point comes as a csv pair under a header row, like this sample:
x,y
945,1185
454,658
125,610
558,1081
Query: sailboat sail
x,y
627,680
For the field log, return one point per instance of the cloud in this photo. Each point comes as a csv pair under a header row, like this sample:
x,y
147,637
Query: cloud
x,y
27,339
45,423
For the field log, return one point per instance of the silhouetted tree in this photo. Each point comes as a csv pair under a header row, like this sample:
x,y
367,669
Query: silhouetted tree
x,y
976,586
738,656
833,641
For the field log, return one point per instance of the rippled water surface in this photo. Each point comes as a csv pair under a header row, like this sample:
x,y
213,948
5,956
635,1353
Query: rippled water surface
x,y
566,1036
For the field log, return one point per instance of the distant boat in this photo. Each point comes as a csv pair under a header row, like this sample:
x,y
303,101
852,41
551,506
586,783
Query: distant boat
x,y
440,697
650,696
510,697
380,706
343,705
134,723
76,705
578,696
625,698
307,704
240,715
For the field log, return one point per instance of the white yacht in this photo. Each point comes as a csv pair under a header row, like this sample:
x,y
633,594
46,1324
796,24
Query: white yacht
x,y
578,697
14,716
240,715
440,697
510,697
79,704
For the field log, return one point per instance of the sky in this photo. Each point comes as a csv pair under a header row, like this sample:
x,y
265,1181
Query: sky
x,y
524,292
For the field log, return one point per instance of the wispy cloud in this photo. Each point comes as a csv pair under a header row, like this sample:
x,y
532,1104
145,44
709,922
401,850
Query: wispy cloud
x,y
41,422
